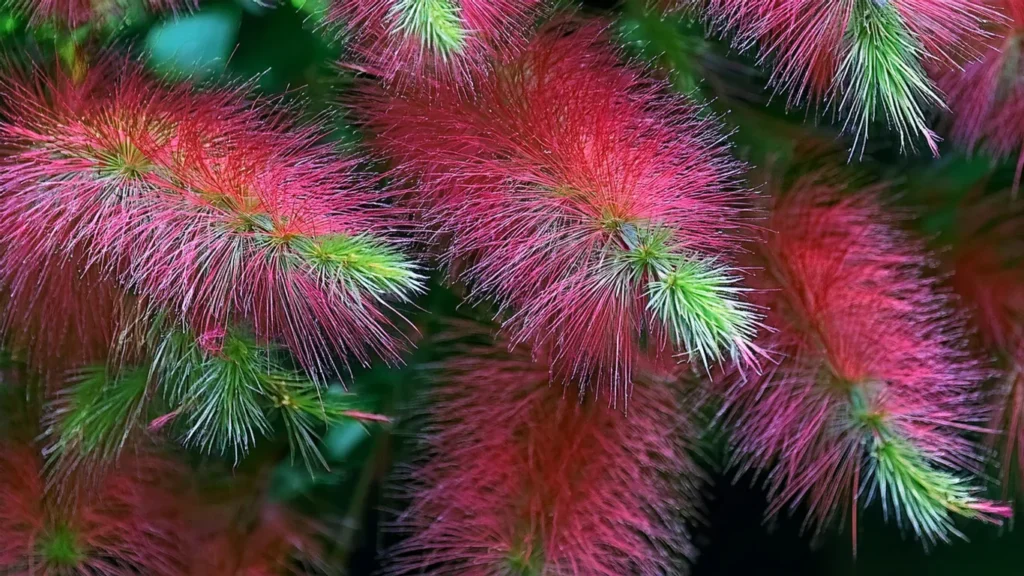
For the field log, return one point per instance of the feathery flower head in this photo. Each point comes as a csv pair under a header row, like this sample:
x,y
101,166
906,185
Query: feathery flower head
x,y
211,207
290,239
866,58
873,393
272,540
401,40
987,275
58,313
74,13
74,148
520,480
986,95
128,523
596,208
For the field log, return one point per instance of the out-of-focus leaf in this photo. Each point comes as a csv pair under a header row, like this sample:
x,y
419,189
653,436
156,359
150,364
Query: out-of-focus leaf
x,y
197,45
343,439
315,8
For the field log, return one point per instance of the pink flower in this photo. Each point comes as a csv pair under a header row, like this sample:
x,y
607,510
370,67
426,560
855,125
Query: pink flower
x,y
865,58
596,208
289,238
873,391
986,97
128,522
74,13
213,208
71,149
59,313
402,40
518,479
988,278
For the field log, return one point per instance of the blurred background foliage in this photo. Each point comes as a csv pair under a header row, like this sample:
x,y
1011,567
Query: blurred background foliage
x,y
284,48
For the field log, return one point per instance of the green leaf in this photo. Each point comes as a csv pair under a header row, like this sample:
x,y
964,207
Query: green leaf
x,y
918,493
99,412
229,396
61,546
699,302
305,413
360,264
342,439
194,45
221,395
435,23
881,75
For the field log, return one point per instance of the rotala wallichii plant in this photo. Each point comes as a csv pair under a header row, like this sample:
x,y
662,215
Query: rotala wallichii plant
x,y
875,397
510,287
235,249
599,211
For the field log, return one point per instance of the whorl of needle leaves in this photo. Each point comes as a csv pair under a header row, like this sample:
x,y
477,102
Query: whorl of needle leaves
x,y
199,215
875,395
599,211
866,59
407,41
519,479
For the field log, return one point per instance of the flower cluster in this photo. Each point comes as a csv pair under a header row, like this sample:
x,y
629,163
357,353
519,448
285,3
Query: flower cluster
x,y
867,58
403,41
130,521
986,276
140,518
986,97
210,264
519,480
873,394
200,232
595,208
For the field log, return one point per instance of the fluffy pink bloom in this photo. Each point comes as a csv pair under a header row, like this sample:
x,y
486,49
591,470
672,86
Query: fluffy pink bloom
x,y
73,13
289,238
69,148
569,189
873,390
988,277
211,207
520,480
128,523
866,58
58,313
237,541
986,96
403,40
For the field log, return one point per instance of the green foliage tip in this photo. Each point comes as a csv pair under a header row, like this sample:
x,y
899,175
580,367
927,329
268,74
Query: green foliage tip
x,y
435,23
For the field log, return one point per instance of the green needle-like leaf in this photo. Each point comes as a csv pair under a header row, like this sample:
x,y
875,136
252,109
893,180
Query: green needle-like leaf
x,y
360,264
917,490
919,493
699,303
61,546
98,413
435,23
224,403
229,397
881,73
